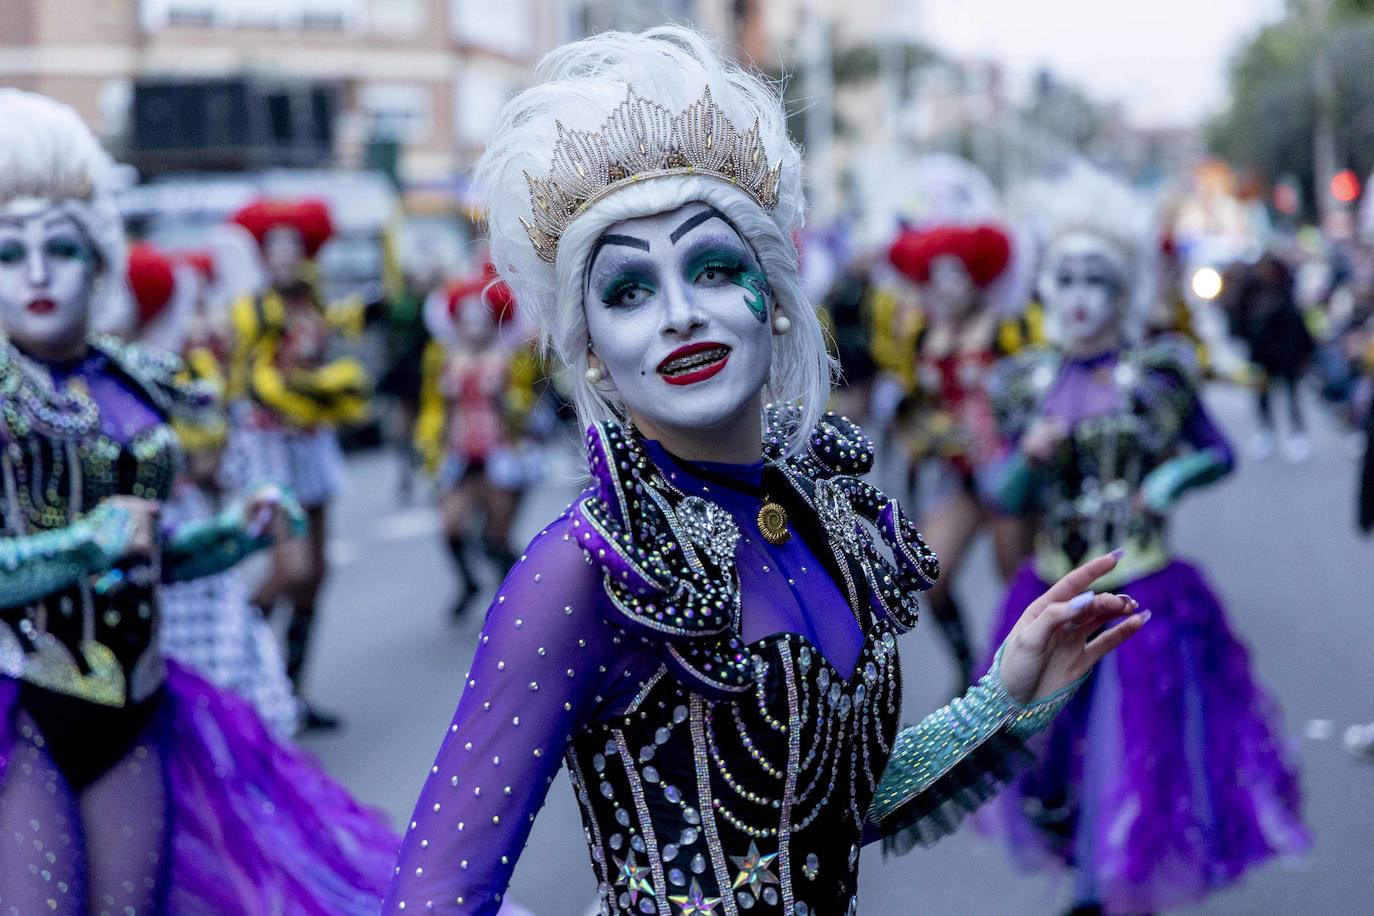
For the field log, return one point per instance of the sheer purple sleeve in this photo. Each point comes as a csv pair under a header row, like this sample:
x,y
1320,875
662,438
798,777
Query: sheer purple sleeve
x,y
545,661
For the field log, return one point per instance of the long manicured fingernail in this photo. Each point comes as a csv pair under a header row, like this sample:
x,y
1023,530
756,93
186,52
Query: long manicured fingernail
x,y
1118,553
1146,615
1079,602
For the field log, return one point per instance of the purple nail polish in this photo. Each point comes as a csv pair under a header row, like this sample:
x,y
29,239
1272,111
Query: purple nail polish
x,y
1118,553
1079,602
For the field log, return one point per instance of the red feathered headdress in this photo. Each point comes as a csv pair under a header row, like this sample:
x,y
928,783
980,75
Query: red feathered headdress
x,y
309,217
150,280
499,300
985,251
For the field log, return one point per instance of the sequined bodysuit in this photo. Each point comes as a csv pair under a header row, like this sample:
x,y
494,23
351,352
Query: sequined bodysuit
x,y
727,707
77,619
1110,480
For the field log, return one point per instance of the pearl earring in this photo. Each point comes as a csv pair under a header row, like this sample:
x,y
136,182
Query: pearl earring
x,y
781,324
593,375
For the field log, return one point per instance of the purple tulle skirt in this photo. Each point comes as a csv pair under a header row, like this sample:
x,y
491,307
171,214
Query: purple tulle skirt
x,y
204,813
1166,776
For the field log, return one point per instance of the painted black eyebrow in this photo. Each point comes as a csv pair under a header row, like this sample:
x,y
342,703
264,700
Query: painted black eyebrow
x,y
629,241
695,220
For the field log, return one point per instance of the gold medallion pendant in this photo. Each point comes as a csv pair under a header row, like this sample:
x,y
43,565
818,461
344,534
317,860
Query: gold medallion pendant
x,y
773,524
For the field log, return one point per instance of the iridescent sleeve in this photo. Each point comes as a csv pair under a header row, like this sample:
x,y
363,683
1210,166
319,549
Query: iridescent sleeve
x,y
35,565
544,660
1209,459
209,546
954,760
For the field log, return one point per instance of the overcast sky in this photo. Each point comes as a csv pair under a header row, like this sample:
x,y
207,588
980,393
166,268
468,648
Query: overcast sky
x,y
1165,59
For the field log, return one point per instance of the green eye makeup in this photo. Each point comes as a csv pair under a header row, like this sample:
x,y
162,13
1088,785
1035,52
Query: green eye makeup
x,y
756,289
730,268
66,248
11,253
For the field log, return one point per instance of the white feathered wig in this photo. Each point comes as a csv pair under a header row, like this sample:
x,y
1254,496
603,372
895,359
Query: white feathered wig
x,y
580,85
1088,201
48,153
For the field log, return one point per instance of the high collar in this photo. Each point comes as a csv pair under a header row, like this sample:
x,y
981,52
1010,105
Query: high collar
x,y
1096,361
745,477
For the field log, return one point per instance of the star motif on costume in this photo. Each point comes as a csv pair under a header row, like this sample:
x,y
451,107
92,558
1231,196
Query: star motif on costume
x,y
634,877
695,902
753,869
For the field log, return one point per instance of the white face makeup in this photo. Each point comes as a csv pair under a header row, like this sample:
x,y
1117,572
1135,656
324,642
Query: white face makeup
x,y
1085,288
950,292
476,327
282,252
47,271
678,314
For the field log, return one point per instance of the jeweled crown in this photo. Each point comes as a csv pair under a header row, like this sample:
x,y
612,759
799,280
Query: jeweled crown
x,y
642,139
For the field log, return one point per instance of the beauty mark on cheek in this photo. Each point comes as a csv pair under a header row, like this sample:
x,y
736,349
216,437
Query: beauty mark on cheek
x,y
756,290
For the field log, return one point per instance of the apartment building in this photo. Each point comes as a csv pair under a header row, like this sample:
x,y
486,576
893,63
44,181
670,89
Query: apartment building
x,y
428,75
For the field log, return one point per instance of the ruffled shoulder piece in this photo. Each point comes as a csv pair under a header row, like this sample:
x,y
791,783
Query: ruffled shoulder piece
x,y
1161,378
836,446
1171,355
667,561
30,404
668,558
1017,385
164,377
828,476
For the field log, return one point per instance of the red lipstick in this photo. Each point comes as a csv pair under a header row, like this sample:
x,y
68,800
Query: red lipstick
x,y
695,362
42,307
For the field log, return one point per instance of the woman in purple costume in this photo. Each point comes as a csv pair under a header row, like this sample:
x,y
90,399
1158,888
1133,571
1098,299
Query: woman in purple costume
x,y
707,636
1166,776
128,784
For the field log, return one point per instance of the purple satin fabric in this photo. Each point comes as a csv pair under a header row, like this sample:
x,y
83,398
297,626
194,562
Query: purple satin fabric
x,y
547,662
1171,759
249,825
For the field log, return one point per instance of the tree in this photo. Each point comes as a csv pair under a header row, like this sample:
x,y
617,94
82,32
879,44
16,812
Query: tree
x,y
1269,126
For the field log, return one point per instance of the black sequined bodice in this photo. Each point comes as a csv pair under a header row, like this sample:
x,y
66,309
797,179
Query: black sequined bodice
x,y
95,640
694,805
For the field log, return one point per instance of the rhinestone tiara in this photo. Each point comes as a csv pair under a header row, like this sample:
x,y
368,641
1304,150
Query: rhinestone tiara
x,y
642,139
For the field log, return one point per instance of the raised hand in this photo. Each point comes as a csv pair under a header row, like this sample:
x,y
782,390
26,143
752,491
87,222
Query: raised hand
x,y
1045,434
143,514
270,510
1053,644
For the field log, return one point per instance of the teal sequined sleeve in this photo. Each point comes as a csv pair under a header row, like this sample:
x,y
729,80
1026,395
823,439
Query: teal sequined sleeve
x,y
954,760
210,546
35,565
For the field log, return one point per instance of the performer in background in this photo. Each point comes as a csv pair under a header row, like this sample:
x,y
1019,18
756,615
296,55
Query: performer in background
x,y
207,623
708,634
288,393
963,332
128,784
1166,777
480,389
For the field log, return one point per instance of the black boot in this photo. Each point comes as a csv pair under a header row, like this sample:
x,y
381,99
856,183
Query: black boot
x,y
467,587
297,645
951,624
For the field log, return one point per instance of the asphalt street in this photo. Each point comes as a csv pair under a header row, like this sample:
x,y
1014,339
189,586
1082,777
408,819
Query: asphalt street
x,y
1277,541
